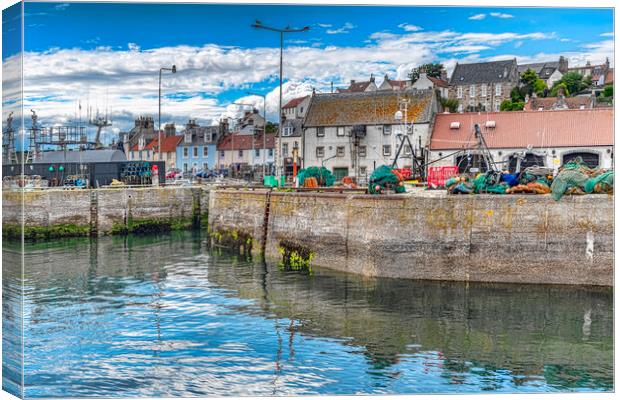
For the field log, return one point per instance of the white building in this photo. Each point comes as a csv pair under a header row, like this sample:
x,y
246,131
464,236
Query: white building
x,y
353,133
428,82
293,112
548,138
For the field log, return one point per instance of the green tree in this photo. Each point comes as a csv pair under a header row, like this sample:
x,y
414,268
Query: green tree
x,y
556,88
516,94
509,105
451,104
433,70
608,91
532,83
573,83
270,127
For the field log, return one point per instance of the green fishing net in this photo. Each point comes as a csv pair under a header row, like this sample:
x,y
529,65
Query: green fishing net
x,y
384,179
323,176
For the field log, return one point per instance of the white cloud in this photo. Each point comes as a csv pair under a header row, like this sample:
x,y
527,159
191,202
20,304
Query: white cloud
x,y
477,17
133,47
607,34
127,80
324,25
518,44
410,28
346,28
501,15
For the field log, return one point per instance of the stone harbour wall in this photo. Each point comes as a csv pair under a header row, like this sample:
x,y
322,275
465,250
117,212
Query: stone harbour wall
x,y
487,238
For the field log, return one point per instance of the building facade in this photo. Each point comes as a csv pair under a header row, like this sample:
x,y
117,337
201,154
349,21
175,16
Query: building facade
x,y
425,82
544,138
151,151
293,114
197,151
236,151
483,86
353,133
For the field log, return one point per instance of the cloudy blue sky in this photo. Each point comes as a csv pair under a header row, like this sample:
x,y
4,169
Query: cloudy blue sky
x,y
110,54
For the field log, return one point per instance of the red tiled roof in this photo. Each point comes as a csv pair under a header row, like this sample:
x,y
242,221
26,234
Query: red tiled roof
x,y
238,141
169,144
519,129
438,82
398,84
294,102
548,103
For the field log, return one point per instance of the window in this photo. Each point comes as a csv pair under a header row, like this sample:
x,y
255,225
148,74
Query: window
x,y
340,131
363,171
340,151
222,154
257,153
483,90
387,150
284,149
498,90
387,129
240,153
320,151
288,131
270,153
185,167
188,137
205,166
472,91
205,151
301,109
459,92
195,151
320,131
407,149
362,151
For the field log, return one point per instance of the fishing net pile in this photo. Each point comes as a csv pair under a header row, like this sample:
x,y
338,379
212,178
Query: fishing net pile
x,y
315,177
532,180
385,178
575,177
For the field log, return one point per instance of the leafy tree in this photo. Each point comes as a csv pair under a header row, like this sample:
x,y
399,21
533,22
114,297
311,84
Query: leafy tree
x,y
509,105
516,94
573,83
532,84
608,91
556,88
451,104
270,127
433,70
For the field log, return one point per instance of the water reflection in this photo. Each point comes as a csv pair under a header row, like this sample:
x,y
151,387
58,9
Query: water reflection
x,y
165,316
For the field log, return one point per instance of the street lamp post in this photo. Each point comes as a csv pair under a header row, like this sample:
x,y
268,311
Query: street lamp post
x,y
264,127
173,70
278,149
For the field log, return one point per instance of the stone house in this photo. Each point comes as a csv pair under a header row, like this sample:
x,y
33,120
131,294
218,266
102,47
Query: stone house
x,y
550,71
353,133
483,86
544,138
429,82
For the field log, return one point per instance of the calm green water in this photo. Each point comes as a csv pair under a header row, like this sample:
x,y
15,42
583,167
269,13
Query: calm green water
x,y
166,316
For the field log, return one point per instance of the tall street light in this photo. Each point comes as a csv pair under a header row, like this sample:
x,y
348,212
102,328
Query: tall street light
x,y
251,105
278,149
173,70
264,126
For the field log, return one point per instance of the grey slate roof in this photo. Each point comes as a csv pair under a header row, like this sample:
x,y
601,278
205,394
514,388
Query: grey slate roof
x,y
84,156
297,126
198,135
543,69
484,72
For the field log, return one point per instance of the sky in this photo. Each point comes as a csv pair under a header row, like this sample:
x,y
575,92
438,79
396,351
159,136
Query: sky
x,y
107,56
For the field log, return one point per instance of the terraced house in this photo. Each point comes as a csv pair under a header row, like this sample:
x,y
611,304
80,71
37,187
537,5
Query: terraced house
x,y
353,133
197,150
483,86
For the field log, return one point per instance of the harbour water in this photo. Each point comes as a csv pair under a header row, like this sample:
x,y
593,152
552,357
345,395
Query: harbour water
x,y
168,316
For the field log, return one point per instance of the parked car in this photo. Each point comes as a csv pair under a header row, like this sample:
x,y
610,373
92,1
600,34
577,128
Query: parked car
x,y
173,173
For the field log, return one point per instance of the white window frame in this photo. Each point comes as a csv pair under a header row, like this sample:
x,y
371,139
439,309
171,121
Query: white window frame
x,y
320,131
205,151
185,152
340,131
387,150
483,90
284,149
320,152
472,91
195,151
459,92
387,129
498,90
340,151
